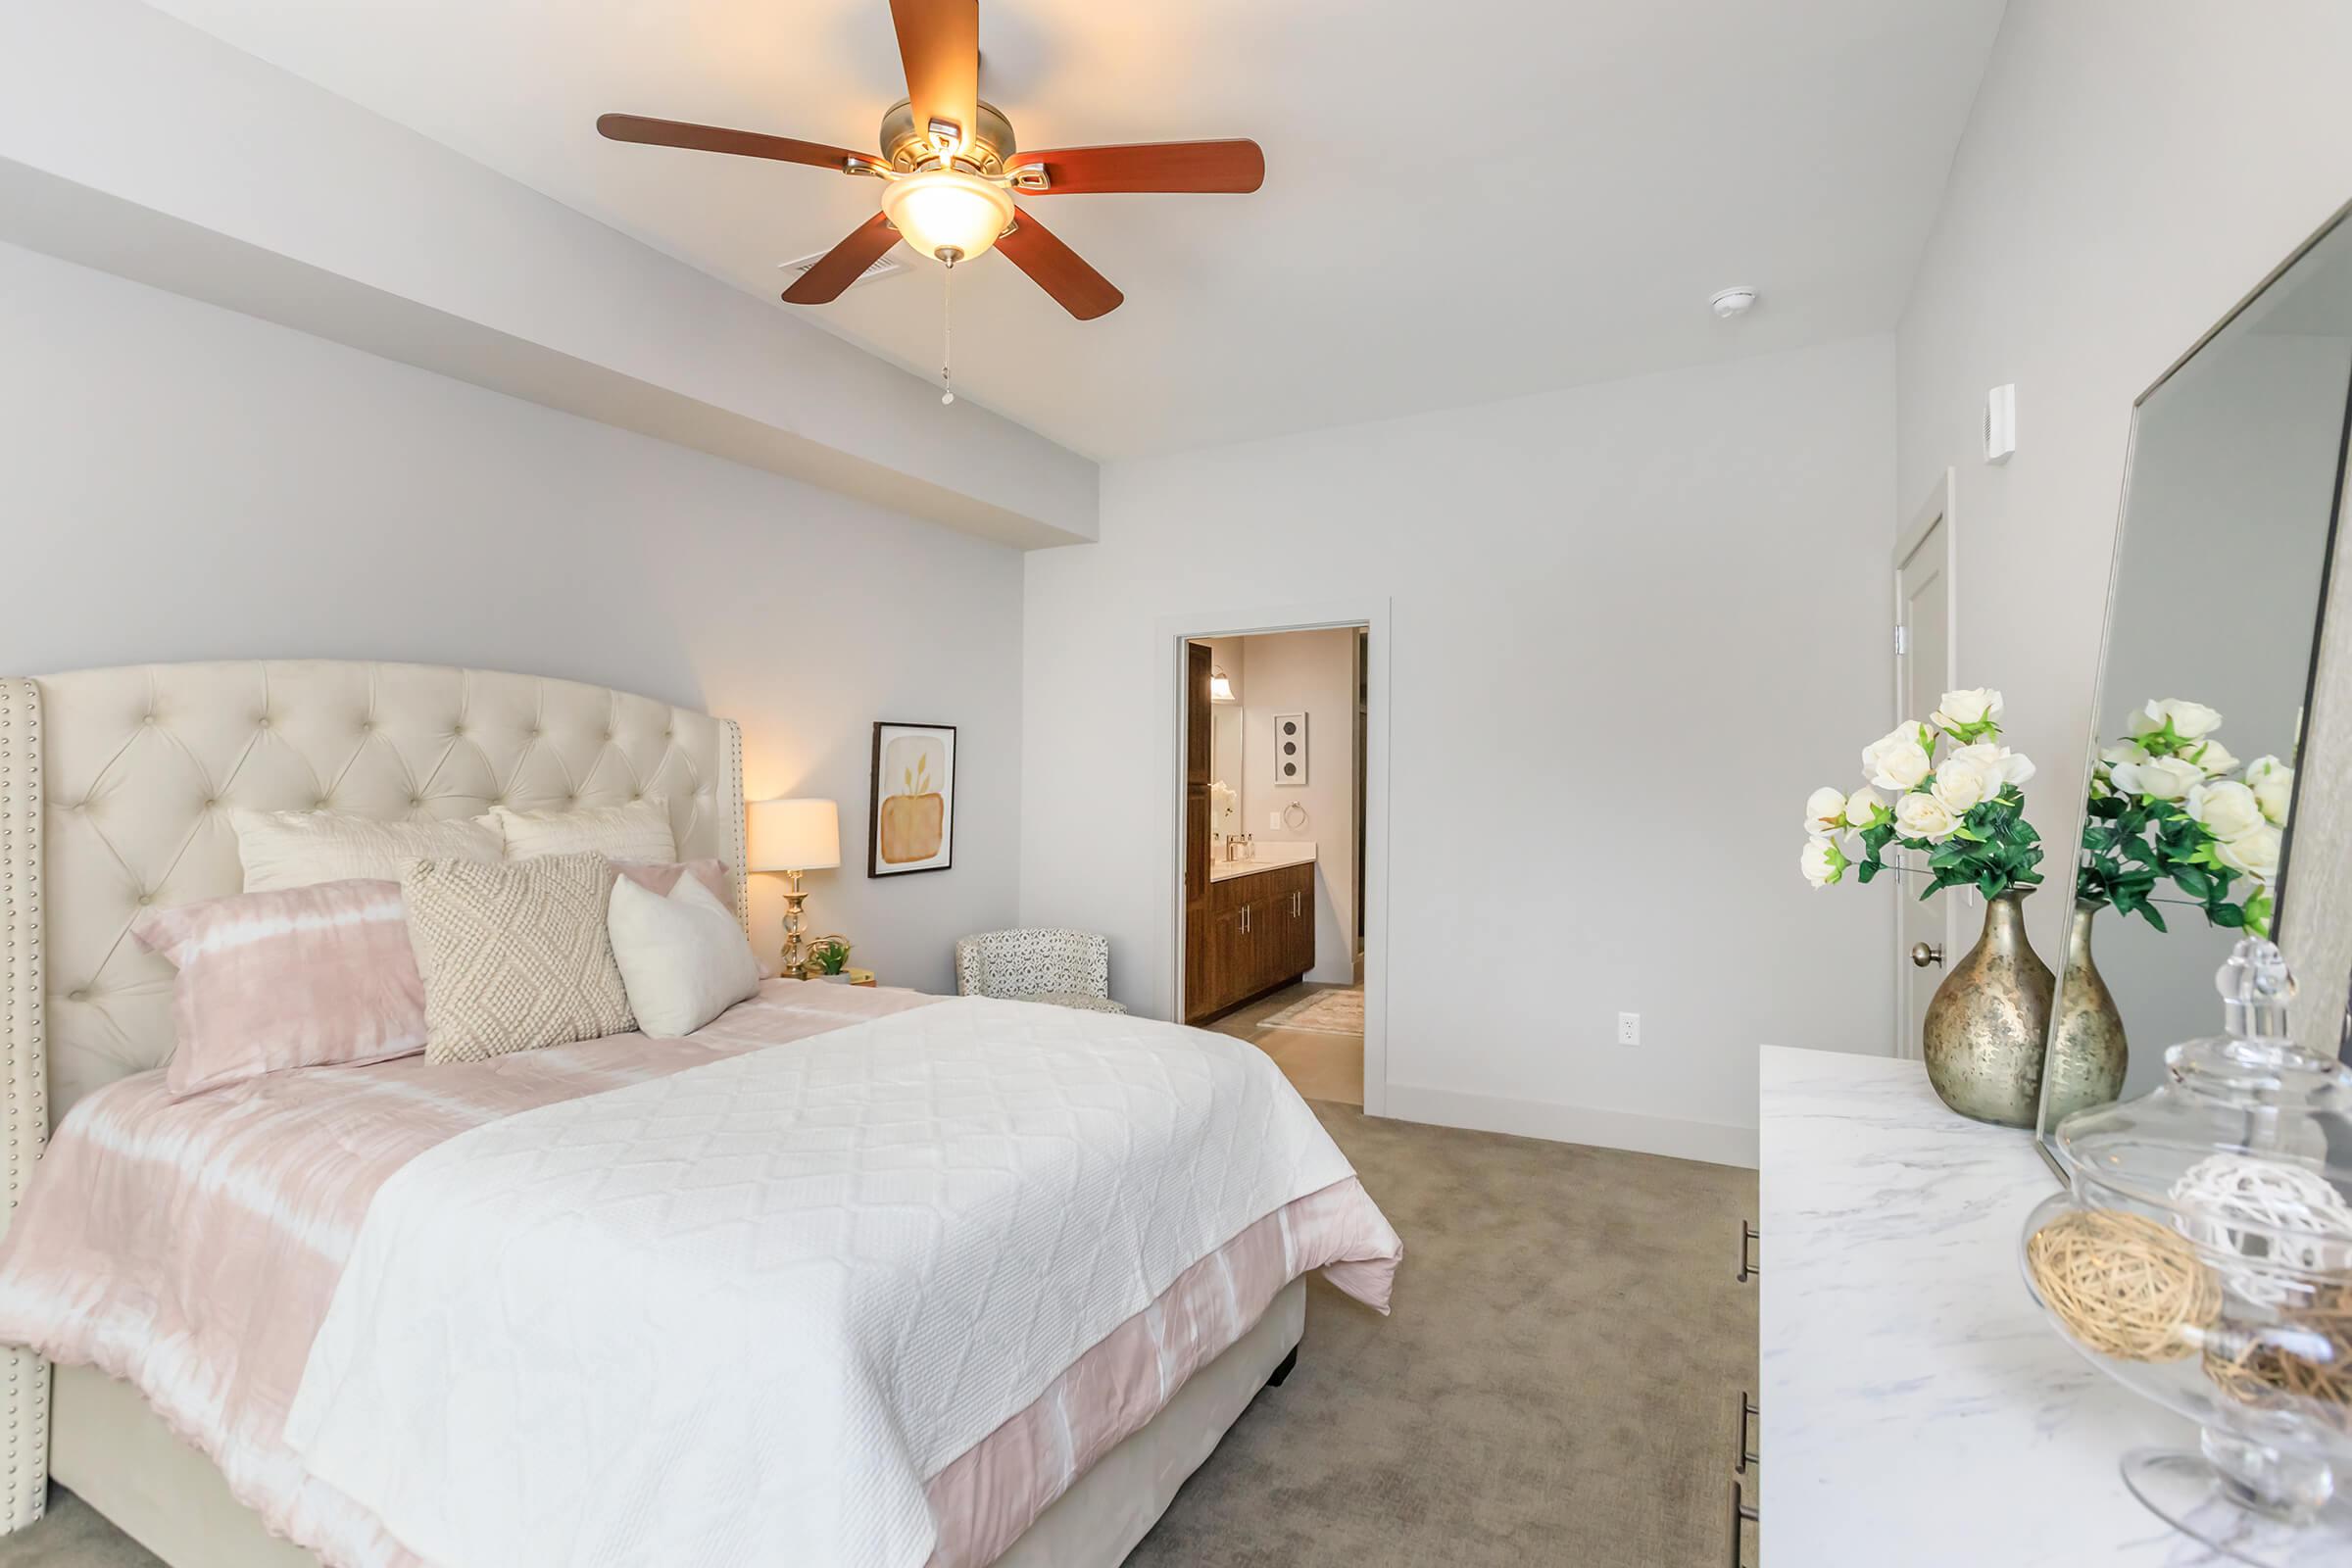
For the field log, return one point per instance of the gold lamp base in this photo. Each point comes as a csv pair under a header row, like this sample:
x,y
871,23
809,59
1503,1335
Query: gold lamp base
x,y
794,958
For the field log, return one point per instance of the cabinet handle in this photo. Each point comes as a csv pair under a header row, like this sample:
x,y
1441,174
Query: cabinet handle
x,y
1294,905
1245,932
1742,1512
1749,1414
1748,1237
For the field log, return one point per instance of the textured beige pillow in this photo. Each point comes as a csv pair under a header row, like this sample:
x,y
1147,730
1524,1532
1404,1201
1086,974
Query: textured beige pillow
x,y
514,956
302,848
637,831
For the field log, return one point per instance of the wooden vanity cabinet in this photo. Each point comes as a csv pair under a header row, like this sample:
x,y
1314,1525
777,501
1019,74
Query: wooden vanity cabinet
x,y
1252,934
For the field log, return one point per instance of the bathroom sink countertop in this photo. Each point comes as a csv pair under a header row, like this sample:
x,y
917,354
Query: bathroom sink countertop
x,y
1270,858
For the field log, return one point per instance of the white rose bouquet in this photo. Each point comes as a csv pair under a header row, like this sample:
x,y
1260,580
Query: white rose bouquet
x,y
2164,808
1224,810
1966,812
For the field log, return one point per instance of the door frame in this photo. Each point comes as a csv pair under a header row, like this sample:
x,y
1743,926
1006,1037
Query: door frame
x,y
1936,508
1173,632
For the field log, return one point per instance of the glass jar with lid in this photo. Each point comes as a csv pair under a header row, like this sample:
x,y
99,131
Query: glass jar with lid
x,y
2202,1255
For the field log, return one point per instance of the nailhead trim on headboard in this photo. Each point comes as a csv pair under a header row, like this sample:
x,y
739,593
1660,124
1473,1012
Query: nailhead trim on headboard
x,y
731,788
24,1484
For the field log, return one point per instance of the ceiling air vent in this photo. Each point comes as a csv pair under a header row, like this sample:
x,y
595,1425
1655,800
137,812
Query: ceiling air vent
x,y
892,260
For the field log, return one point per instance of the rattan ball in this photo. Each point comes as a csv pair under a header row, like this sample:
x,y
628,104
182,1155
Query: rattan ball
x,y
2122,1283
2306,1355
2283,1218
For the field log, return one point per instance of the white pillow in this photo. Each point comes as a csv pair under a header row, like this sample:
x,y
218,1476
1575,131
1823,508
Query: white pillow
x,y
302,848
637,831
683,959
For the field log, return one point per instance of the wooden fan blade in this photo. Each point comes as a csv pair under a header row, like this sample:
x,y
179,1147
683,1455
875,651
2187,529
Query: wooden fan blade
x,y
939,41
718,139
1238,167
1060,270
823,282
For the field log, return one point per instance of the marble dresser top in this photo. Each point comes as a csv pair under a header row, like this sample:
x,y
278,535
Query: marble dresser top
x,y
1916,1408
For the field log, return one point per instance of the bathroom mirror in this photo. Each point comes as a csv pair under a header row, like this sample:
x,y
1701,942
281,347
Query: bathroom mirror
x,y
1225,765
2233,486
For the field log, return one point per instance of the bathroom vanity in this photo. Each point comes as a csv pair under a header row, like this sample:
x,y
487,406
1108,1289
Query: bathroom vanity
x,y
1257,932
1916,1407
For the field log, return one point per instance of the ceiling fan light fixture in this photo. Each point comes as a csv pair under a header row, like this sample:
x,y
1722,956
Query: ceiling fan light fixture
x,y
943,210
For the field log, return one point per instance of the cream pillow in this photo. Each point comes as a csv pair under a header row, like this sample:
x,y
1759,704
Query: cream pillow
x,y
302,848
683,959
637,831
514,956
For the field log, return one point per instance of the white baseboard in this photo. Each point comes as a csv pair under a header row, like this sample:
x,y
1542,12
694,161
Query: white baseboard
x,y
1678,1139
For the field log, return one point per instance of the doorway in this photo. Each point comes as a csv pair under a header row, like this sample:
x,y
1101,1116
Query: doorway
x,y
1275,836
1925,667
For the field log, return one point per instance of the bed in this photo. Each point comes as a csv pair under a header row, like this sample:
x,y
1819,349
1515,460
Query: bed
x,y
113,789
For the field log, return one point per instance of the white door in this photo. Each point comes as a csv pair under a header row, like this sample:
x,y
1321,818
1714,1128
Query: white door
x,y
1923,666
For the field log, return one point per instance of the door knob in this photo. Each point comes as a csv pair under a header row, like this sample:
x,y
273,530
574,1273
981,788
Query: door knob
x,y
1926,952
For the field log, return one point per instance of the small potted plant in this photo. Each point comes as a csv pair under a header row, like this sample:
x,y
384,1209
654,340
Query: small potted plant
x,y
831,960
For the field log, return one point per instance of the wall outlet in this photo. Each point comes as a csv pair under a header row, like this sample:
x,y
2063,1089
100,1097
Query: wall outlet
x,y
1628,1028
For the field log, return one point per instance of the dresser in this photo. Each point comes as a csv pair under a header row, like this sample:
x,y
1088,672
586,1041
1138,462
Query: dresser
x,y
1916,1408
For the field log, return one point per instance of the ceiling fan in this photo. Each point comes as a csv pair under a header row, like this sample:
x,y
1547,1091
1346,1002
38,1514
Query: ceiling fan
x,y
949,169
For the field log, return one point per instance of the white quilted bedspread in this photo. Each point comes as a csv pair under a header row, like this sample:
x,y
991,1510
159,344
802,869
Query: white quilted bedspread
x,y
739,1316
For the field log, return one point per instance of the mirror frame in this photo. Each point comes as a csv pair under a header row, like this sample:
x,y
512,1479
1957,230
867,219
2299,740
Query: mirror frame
x,y
2319,821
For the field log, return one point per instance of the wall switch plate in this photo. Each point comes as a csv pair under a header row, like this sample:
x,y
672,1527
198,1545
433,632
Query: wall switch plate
x,y
1628,1028
1274,821
2000,422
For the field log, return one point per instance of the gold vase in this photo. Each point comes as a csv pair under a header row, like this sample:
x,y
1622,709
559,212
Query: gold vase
x,y
1987,1022
2088,1051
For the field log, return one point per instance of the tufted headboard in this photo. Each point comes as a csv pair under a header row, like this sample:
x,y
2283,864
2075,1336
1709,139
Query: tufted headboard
x,y
115,784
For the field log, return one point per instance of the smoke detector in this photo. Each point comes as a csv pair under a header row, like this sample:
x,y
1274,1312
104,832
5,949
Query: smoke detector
x,y
1734,301
892,260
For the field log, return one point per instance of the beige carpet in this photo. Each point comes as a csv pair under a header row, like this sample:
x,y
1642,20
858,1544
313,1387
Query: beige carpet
x,y
1557,1387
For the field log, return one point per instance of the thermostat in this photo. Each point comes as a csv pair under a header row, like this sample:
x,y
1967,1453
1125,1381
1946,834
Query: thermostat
x,y
2001,423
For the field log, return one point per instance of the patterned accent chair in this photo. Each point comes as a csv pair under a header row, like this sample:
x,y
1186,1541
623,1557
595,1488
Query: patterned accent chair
x,y
1064,969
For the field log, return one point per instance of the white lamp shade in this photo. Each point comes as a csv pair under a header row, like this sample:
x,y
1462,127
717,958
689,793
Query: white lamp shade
x,y
794,835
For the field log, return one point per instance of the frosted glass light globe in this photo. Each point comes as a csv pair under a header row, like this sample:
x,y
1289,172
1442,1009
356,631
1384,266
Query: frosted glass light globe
x,y
947,209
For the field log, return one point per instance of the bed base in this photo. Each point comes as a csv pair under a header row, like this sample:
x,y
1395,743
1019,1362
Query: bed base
x,y
117,1455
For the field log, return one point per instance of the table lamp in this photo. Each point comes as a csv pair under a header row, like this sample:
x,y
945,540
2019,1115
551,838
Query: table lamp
x,y
791,837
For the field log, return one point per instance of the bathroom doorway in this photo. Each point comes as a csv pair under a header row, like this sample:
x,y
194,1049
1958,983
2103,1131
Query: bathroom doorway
x,y
1274,845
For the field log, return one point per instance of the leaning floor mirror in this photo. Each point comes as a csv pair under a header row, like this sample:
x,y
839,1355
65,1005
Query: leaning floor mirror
x,y
2218,742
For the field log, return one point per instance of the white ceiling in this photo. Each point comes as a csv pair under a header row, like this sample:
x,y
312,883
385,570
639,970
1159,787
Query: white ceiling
x,y
1464,200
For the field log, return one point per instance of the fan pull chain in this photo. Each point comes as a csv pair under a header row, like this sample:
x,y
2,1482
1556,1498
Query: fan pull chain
x,y
946,335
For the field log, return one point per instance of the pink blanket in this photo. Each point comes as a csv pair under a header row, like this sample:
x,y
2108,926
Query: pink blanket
x,y
193,1248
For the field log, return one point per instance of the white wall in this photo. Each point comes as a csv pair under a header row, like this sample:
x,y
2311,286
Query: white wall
x,y
1310,672
2130,169
135,142
183,482
1623,646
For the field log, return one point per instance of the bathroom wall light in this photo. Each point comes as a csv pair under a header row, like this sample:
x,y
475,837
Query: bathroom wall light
x,y
1220,690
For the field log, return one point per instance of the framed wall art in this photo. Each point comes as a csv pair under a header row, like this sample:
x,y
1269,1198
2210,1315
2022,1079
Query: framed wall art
x,y
1290,749
913,818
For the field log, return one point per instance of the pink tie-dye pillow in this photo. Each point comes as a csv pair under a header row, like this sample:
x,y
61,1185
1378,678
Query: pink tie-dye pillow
x,y
291,977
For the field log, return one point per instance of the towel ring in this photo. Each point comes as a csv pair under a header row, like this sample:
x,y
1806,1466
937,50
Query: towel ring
x,y
1293,826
